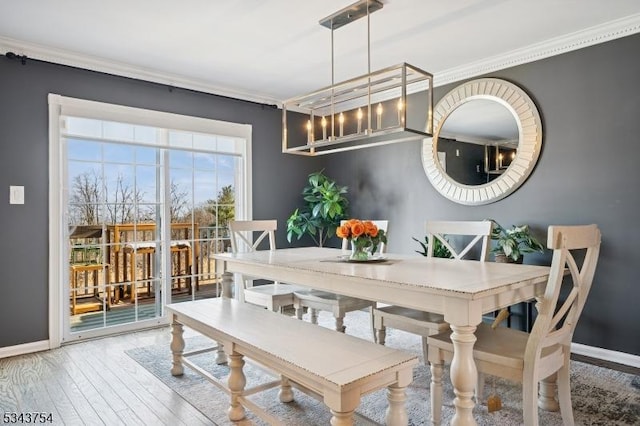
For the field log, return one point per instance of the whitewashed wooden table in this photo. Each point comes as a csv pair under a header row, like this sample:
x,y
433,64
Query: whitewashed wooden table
x,y
461,290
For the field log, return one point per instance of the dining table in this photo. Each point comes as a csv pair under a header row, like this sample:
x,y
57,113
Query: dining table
x,y
461,290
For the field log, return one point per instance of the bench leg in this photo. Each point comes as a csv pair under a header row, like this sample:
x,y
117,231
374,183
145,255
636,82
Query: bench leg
x,y
285,394
381,335
342,419
340,324
177,348
313,313
236,384
397,411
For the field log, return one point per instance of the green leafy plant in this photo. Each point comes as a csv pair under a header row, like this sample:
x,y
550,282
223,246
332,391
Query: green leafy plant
x,y
514,242
325,206
439,250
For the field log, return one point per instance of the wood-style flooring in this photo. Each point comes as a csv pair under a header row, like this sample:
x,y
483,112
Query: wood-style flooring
x,y
94,382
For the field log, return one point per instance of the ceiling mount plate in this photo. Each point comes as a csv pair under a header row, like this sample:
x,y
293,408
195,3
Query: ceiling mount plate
x,y
350,13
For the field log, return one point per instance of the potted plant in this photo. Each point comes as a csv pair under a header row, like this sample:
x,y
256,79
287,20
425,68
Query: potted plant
x,y
325,206
439,250
512,244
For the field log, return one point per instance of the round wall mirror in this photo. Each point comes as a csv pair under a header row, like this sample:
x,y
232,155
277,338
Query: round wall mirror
x,y
487,139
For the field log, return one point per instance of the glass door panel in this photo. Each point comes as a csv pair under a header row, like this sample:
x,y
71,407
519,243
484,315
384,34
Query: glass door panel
x,y
146,211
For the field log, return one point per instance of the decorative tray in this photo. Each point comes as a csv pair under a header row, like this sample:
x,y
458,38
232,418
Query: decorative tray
x,y
374,259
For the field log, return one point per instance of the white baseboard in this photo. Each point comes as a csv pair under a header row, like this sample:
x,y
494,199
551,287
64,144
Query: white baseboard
x,y
606,355
25,348
576,348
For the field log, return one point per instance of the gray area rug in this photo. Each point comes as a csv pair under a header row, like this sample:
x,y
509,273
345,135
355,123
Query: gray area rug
x,y
600,396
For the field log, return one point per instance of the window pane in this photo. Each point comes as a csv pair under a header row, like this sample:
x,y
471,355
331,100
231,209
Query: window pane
x,y
114,152
203,161
204,142
147,155
147,184
83,127
180,139
117,131
145,134
182,159
78,149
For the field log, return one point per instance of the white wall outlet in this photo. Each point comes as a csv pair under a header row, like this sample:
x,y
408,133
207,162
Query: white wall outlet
x,y
16,194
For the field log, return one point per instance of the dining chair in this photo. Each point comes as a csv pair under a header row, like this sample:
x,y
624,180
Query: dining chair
x,y
425,323
274,296
531,357
339,305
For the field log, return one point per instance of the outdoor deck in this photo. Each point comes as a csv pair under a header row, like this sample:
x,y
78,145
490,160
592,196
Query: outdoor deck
x,y
128,312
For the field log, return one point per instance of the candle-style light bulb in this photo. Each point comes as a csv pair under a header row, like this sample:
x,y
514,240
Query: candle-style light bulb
x,y
379,114
400,115
513,155
309,132
500,161
359,120
341,121
323,122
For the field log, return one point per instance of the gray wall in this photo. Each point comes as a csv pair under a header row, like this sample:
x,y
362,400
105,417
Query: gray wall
x,y
588,172
277,179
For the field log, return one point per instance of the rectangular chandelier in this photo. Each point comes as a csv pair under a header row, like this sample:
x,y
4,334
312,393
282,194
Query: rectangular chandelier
x,y
391,105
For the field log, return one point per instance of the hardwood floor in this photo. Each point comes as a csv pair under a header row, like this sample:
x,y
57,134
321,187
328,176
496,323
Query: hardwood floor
x,y
94,382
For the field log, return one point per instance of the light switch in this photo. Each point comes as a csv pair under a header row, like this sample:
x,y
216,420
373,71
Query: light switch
x,y
16,194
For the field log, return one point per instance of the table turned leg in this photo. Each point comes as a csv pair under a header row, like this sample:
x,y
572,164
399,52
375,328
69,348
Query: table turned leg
x,y
547,393
464,374
177,348
397,411
342,419
236,383
285,394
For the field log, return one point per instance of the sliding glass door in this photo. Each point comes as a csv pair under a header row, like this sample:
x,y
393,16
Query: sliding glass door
x,y
145,208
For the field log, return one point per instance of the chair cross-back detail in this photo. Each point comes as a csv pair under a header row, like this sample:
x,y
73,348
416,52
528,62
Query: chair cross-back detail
x,y
425,323
477,229
273,296
339,305
530,358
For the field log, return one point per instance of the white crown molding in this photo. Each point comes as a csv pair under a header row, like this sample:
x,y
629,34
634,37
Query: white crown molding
x,y
598,34
606,355
93,63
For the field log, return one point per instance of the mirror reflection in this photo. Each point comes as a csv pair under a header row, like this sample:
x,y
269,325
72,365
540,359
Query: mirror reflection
x,y
477,141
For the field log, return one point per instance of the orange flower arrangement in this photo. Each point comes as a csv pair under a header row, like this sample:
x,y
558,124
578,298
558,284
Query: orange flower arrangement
x,y
363,234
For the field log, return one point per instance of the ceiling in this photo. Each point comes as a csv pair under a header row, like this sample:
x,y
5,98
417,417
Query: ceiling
x,y
272,50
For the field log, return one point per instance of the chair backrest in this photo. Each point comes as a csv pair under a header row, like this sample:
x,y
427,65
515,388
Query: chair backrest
x,y
556,320
479,230
381,224
243,231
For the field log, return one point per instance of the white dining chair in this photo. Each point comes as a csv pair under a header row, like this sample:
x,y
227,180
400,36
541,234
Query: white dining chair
x,y
338,305
274,296
531,357
421,322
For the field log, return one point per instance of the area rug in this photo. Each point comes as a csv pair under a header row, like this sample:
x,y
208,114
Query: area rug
x,y
600,396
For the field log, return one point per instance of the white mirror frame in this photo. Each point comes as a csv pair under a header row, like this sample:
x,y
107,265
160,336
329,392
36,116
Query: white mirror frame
x,y
530,141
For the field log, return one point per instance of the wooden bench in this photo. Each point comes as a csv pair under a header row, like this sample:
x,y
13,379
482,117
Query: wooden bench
x,y
335,367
